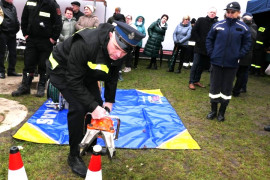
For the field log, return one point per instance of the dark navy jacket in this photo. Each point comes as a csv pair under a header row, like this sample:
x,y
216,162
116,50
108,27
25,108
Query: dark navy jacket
x,y
227,42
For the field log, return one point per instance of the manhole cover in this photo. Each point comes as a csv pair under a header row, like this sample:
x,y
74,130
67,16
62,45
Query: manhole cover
x,y
2,118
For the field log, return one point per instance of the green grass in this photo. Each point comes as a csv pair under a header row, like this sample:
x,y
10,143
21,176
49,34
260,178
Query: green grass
x,y
238,148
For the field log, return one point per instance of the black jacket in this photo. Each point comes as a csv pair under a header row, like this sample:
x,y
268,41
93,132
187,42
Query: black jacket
x,y
247,59
83,59
78,15
41,18
10,23
199,33
116,17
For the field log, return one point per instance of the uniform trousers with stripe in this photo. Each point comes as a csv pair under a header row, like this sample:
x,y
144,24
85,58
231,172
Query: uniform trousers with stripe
x,y
221,84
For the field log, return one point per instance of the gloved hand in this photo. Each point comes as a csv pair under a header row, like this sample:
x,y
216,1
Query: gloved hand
x,y
98,113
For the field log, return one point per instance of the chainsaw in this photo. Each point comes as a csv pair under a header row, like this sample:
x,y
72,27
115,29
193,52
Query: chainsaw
x,y
101,128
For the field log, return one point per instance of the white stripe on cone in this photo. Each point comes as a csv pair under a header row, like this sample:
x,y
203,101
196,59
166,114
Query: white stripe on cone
x,y
93,175
94,169
17,174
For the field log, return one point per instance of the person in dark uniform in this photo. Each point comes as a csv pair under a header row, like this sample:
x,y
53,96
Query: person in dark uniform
x,y
41,26
228,41
8,29
76,10
75,67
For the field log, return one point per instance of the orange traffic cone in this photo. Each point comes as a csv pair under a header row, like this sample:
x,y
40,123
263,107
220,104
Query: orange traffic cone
x,y
16,169
94,168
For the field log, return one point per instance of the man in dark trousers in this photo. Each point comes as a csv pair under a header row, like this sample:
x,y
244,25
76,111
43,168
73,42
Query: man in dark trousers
x,y
41,26
76,10
75,67
8,29
228,41
201,59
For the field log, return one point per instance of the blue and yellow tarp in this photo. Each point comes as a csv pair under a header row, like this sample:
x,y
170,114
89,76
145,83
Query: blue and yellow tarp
x,y
147,121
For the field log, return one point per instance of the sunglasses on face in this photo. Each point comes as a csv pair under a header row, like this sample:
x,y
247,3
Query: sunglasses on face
x,y
231,12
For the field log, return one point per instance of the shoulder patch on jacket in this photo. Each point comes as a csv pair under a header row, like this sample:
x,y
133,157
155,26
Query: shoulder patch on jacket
x,y
58,11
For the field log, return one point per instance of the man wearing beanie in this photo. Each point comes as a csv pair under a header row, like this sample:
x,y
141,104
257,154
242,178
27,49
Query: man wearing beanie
x,y
76,10
228,41
75,67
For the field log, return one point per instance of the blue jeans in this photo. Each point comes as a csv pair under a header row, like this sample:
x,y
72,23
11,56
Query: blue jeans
x,y
199,62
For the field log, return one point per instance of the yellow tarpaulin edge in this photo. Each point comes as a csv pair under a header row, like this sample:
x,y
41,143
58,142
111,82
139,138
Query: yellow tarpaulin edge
x,y
153,91
182,141
29,132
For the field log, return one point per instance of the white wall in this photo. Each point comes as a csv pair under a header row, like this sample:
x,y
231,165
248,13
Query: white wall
x,y
152,10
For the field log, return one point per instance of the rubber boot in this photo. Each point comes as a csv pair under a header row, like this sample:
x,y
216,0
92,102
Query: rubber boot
x,y
179,67
41,86
150,65
155,64
213,112
171,63
221,112
24,87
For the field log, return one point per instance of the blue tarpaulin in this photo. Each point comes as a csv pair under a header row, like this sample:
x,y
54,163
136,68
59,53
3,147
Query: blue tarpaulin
x,y
147,121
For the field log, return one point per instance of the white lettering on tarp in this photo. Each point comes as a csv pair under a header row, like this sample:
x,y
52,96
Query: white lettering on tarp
x,y
47,117
44,121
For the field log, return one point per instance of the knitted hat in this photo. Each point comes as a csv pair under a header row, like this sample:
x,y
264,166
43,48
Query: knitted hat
x,y
247,14
92,8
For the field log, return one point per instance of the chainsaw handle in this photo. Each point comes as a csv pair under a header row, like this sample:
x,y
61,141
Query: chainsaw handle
x,y
118,128
118,125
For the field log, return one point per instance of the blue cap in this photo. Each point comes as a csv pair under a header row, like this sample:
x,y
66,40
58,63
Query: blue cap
x,y
247,14
126,36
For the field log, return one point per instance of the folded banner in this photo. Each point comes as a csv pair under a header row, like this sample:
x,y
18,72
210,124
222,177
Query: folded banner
x,y
147,121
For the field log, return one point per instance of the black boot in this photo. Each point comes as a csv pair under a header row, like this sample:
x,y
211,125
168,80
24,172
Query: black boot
x,y
213,112
41,86
179,67
171,62
24,87
150,65
77,165
155,65
221,112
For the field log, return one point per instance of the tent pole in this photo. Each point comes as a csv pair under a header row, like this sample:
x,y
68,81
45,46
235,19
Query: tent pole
x,y
105,14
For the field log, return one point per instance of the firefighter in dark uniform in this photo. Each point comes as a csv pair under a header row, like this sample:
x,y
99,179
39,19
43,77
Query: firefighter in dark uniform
x,y
258,60
41,25
76,65
227,42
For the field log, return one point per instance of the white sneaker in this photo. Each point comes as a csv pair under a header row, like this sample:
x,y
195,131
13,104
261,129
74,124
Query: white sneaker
x,y
127,69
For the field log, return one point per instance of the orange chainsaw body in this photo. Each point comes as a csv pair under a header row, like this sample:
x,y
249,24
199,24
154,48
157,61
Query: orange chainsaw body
x,y
103,124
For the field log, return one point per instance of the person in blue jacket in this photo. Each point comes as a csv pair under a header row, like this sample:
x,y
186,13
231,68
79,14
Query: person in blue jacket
x,y
139,23
228,41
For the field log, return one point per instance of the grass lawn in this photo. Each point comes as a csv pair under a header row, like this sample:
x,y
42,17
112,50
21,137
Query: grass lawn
x,y
238,148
